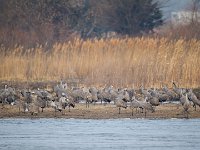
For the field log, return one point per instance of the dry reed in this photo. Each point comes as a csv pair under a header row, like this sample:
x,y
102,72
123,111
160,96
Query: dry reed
x,y
120,62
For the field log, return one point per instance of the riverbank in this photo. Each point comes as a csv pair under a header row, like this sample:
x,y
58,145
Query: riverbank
x,y
98,111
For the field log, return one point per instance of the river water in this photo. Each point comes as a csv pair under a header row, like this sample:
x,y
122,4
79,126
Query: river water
x,y
47,134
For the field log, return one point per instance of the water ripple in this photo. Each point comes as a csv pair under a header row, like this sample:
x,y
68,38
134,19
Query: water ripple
x,y
99,134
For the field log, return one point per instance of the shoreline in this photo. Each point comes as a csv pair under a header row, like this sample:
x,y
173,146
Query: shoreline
x,y
164,111
7,118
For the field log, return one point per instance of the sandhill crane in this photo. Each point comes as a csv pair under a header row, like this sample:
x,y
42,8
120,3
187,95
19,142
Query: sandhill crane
x,y
7,96
131,93
27,96
25,106
193,98
62,85
66,102
93,92
38,101
107,94
171,94
119,102
152,97
146,93
57,105
100,95
178,91
3,95
44,97
42,102
85,94
59,91
77,94
82,93
19,99
182,98
146,106
186,105
24,100
61,88
38,92
126,96
154,101
88,99
34,106
33,109
134,104
62,102
53,105
70,102
160,95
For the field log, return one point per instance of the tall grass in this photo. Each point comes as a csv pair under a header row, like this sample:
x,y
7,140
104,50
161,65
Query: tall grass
x,y
120,62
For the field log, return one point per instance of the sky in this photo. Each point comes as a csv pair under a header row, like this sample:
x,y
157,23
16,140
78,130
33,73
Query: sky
x,y
174,5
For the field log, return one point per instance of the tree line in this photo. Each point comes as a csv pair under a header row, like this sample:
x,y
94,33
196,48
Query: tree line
x,y
40,21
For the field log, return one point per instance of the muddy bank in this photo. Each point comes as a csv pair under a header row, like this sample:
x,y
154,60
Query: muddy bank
x,y
99,111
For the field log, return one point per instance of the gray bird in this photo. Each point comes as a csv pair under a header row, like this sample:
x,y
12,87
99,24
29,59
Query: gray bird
x,y
146,106
134,104
119,102
194,99
186,105
154,101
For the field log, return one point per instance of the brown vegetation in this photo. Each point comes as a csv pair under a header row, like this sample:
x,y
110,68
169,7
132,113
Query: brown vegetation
x,y
121,62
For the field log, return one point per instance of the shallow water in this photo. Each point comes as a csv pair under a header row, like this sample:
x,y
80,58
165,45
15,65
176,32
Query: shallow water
x,y
99,134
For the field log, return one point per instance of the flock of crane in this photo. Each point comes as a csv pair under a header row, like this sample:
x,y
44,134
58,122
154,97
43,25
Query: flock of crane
x,y
61,97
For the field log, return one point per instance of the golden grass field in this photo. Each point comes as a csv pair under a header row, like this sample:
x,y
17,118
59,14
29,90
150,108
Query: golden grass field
x,y
127,62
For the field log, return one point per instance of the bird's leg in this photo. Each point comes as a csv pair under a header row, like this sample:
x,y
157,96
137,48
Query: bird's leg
x,y
119,110
63,112
132,111
19,109
141,109
145,113
2,104
187,114
55,112
177,106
